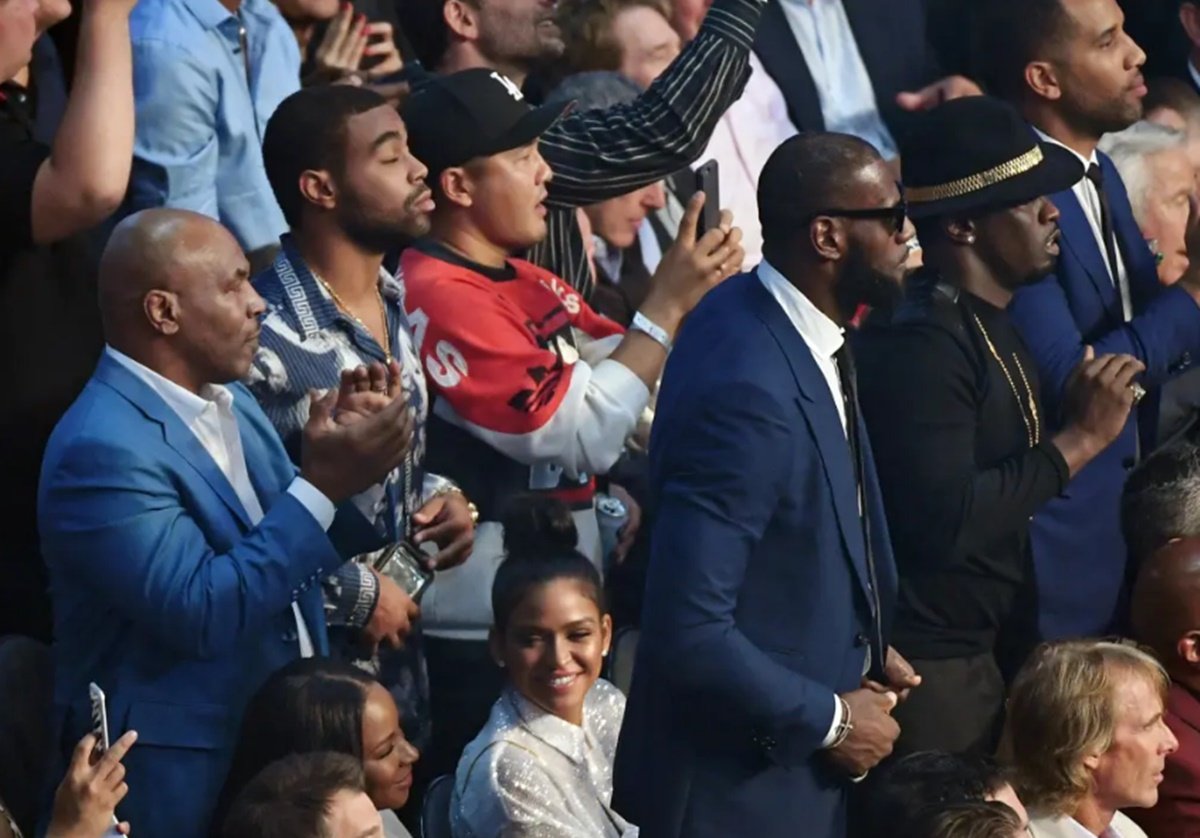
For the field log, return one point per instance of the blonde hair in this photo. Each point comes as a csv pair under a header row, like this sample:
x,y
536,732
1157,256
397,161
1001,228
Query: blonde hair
x,y
1062,708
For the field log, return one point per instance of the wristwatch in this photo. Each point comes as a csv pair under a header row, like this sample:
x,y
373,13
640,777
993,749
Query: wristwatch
x,y
642,323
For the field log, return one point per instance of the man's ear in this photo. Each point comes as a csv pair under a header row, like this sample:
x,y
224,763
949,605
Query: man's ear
x,y
162,310
462,19
317,187
457,186
1042,78
828,238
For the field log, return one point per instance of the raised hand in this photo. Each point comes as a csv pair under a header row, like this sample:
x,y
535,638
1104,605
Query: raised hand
x,y
1101,393
344,459
690,268
366,390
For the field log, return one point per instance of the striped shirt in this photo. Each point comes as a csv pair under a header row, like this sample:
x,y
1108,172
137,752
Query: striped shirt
x,y
600,154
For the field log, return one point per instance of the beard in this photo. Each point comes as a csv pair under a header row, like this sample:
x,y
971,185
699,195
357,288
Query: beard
x,y
864,284
378,234
1113,116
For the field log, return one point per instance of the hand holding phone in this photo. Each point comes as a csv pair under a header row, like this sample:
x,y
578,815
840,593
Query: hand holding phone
x,y
86,800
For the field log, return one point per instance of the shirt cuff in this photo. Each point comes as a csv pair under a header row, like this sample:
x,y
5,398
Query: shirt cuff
x,y
833,728
435,484
314,500
351,595
622,385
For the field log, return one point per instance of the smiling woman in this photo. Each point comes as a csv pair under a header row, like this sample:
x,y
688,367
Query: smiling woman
x,y
545,757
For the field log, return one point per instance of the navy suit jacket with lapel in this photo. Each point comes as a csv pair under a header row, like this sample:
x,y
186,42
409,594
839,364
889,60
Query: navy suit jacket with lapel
x,y
757,606
891,39
1079,553
165,594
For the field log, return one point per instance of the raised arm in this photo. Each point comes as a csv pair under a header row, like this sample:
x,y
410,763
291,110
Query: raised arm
x,y
85,178
600,154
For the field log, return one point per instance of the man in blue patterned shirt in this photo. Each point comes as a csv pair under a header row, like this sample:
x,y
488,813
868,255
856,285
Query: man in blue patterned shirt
x,y
338,161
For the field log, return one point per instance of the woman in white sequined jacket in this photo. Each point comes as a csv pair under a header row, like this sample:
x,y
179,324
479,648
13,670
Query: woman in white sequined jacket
x,y
542,766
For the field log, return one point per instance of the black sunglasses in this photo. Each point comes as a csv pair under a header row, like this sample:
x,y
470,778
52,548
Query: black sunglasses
x,y
896,213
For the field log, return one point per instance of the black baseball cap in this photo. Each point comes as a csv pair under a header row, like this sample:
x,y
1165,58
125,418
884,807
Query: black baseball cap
x,y
473,113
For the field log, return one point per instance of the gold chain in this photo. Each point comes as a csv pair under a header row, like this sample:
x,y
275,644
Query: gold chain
x,y
387,337
1033,429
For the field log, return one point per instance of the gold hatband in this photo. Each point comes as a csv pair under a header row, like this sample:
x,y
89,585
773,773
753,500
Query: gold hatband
x,y
973,183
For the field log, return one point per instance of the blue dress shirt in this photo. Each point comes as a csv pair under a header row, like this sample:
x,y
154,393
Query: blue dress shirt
x,y
202,108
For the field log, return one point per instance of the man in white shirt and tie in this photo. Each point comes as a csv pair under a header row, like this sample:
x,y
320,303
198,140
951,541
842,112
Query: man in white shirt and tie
x,y
183,546
1075,74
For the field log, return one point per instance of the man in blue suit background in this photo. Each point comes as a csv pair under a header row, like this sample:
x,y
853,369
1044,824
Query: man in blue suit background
x,y
184,547
1075,74
771,583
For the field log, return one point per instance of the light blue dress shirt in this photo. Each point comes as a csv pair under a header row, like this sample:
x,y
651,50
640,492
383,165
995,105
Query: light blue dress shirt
x,y
822,31
200,121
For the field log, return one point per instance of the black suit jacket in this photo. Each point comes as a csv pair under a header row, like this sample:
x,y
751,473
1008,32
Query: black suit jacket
x,y
891,39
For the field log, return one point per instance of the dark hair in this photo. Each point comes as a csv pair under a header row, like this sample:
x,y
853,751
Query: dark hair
x,y
808,173
312,704
974,819
1161,499
308,131
1008,34
902,790
539,540
290,797
424,22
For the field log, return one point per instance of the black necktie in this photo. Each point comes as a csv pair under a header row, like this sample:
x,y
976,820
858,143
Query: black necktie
x,y
1106,230
848,378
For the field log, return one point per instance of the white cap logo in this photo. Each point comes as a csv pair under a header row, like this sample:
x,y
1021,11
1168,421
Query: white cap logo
x,y
509,85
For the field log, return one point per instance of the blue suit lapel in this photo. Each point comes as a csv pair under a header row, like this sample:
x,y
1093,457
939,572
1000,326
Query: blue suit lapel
x,y
1081,241
816,401
175,432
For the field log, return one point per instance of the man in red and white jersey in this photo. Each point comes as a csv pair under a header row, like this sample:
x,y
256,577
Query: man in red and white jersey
x,y
531,389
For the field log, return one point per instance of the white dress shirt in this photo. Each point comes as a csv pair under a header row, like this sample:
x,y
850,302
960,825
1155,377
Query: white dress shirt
x,y
1195,74
1089,198
1063,826
823,338
210,417
844,88
744,138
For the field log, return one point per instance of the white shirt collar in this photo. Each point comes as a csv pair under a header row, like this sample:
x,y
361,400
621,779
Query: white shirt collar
x,y
568,739
1193,72
823,336
1086,161
186,404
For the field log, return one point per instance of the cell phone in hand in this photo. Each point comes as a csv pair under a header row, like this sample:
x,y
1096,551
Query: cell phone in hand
x,y
706,182
99,720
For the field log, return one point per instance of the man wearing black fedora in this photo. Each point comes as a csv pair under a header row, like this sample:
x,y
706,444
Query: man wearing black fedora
x,y
950,395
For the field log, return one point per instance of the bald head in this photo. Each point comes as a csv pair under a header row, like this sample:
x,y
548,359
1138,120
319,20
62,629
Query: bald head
x,y
155,249
1166,604
175,295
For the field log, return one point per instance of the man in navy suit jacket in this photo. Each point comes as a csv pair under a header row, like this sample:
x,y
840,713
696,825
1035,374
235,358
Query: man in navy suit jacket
x,y
183,546
771,584
1075,74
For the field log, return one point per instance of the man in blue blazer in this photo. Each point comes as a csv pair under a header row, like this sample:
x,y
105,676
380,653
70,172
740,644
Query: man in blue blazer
x,y
1075,74
183,546
763,682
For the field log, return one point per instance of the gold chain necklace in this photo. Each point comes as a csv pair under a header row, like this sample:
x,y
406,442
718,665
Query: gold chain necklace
x,y
387,338
1033,429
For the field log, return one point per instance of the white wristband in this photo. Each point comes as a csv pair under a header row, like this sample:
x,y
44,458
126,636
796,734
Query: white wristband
x,y
642,323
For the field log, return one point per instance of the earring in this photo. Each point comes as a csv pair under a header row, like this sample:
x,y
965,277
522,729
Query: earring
x,y
604,654
1158,254
500,664
970,238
